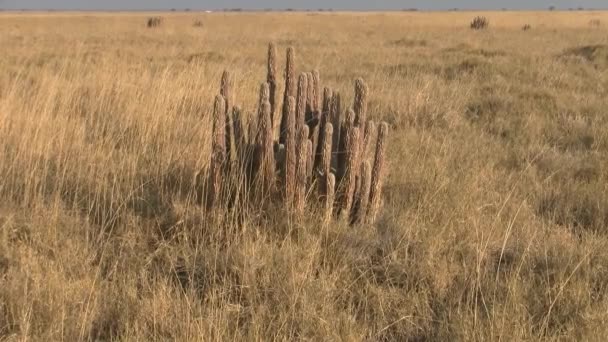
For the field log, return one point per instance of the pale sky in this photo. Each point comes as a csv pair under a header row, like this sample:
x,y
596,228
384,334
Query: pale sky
x,y
297,4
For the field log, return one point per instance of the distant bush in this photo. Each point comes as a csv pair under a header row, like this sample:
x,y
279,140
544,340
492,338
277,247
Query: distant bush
x,y
480,23
526,27
154,22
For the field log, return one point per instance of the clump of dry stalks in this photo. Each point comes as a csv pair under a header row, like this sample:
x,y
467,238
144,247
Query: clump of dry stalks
x,y
313,157
154,22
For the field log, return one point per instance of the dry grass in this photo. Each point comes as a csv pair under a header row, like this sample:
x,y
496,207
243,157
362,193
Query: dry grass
x,y
494,225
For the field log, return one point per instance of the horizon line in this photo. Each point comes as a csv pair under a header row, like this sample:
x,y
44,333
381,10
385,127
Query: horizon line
x,y
236,10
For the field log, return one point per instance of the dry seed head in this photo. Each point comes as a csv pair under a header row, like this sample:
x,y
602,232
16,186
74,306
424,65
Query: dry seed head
x,y
370,134
301,177
301,101
349,120
324,167
323,120
310,161
218,147
362,198
309,99
343,146
316,92
360,105
264,93
327,95
289,170
226,89
231,144
265,143
302,137
348,184
290,91
314,138
219,127
334,118
272,79
290,73
378,173
226,92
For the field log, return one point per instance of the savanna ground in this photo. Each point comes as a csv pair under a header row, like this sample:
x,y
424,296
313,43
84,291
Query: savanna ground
x,y
495,224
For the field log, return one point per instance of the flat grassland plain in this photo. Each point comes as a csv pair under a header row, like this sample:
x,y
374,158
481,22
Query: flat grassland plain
x,y
495,224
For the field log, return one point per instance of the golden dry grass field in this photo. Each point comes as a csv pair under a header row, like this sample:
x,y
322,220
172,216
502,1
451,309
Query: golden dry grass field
x,y
495,223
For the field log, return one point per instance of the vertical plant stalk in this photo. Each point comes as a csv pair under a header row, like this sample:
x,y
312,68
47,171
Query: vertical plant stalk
x,y
334,118
324,168
301,177
343,145
327,95
250,150
231,144
226,89
264,158
291,161
314,139
301,101
226,86
378,171
348,184
360,105
240,136
316,91
368,140
330,185
240,148
309,162
309,116
362,198
218,152
271,79
323,120
290,90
